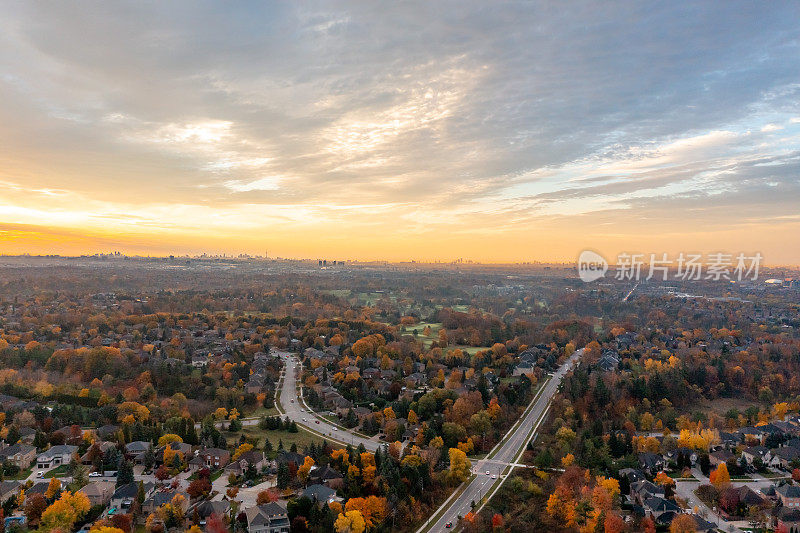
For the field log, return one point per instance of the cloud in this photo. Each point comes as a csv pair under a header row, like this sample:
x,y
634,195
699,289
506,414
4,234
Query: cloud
x,y
404,120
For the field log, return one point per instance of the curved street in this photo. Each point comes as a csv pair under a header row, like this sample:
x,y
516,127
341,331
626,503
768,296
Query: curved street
x,y
294,407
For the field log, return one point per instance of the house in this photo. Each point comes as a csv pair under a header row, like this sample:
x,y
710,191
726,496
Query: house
x,y
658,506
8,488
206,508
320,494
633,475
55,456
214,458
523,368
268,518
101,447
747,496
755,452
784,457
643,490
40,488
787,519
609,361
703,525
106,432
136,450
157,499
751,434
252,458
99,492
789,496
720,456
651,462
687,453
323,475
20,455
125,495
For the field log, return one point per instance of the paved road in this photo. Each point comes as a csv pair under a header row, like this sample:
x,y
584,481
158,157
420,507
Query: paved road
x,y
292,407
508,452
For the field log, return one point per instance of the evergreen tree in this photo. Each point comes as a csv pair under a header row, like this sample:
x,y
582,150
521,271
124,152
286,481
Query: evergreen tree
x,y
283,476
125,473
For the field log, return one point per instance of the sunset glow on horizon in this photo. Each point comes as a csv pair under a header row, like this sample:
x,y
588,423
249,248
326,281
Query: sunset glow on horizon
x,y
497,133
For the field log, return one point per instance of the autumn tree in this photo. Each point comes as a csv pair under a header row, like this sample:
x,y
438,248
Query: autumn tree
x,y
460,466
199,487
349,522
720,477
305,469
683,523
373,509
35,505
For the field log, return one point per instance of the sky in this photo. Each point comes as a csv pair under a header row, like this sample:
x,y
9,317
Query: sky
x,y
491,131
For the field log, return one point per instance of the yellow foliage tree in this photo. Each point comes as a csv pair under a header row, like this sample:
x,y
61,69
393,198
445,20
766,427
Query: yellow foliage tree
x,y
304,470
242,449
349,522
459,466
53,488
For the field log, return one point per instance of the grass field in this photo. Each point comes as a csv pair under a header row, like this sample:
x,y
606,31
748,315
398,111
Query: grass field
x,y
22,474
302,438
262,412
59,471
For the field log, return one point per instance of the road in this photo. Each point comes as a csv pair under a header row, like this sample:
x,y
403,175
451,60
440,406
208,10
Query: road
x,y
506,452
685,490
297,412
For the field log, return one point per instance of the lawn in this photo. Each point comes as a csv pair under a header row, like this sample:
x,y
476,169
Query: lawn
x,y
302,438
22,474
262,411
59,471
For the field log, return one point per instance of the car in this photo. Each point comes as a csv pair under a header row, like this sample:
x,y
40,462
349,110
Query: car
x,y
494,476
335,429
487,472
95,474
316,421
304,420
448,525
39,474
291,401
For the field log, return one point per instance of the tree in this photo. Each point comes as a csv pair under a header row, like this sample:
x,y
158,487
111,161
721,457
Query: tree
x,y
349,522
497,521
53,489
122,521
304,470
664,480
199,487
683,523
267,496
162,474
125,473
283,476
613,524
34,507
720,477
460,466
169,438
214,524
373,509
241,450
64,512
107,529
